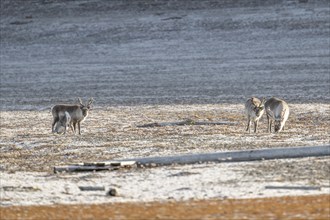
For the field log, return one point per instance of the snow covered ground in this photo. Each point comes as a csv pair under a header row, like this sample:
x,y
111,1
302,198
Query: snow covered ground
x,y
29,152
201,181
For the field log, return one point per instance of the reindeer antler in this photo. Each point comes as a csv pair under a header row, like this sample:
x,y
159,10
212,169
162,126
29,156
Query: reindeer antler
x,y
80,102
91,100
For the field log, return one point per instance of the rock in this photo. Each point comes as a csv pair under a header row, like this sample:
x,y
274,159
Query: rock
x,y
112,192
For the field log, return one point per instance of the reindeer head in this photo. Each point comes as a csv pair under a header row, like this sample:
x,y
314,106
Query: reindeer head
x,y
279,122
86,108
259,110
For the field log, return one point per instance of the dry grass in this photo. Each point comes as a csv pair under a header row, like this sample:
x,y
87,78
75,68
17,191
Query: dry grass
x,y
299,207
27,143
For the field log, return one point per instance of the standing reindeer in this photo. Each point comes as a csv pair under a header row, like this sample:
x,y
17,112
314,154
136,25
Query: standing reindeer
x,y
78,113
278,111
64,122
254,109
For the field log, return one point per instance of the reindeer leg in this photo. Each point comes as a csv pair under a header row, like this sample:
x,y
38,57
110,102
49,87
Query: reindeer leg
x,y
255,126
71,126
269,123
248,125
56,119
79,128
74,127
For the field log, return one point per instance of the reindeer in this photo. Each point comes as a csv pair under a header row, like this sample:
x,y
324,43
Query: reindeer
x,y
254,109
64,122
278,111
78,113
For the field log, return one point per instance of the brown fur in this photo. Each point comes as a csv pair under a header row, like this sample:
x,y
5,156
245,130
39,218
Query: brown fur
x,y
254,109
278,112
78,113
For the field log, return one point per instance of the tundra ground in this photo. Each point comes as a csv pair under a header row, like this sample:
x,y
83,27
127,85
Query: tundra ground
x,y
112,133
30,151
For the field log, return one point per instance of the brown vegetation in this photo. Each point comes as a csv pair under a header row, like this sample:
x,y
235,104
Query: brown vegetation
x,y
300,207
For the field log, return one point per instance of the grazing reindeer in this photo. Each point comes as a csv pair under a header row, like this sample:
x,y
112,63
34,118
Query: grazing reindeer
x,y
78,113
278,111
254,109
64,122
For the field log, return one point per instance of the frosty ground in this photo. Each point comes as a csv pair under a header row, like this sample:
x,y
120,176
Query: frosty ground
x,y
30,151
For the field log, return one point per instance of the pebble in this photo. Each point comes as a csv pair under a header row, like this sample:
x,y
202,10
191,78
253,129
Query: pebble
x,y
112,192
